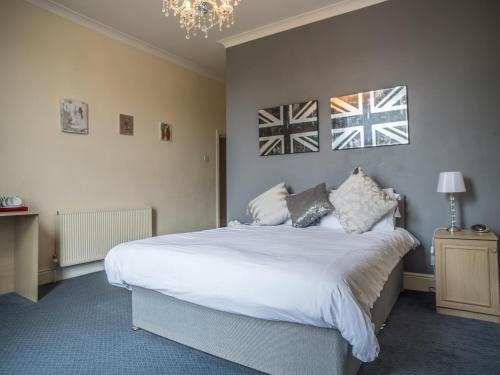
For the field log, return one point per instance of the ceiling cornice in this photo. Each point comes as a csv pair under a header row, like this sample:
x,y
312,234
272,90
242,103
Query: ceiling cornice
x,y
113,33
319,14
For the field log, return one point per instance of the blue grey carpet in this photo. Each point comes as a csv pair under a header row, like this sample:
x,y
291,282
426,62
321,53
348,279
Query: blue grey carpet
x,y
82,326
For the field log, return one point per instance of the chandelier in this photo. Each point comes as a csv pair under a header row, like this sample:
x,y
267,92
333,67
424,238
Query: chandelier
x,y
201,15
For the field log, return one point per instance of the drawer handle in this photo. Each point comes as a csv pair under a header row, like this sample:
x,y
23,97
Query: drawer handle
x,y
493,250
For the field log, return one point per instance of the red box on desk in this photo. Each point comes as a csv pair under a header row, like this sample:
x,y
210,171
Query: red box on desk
x,y
13,209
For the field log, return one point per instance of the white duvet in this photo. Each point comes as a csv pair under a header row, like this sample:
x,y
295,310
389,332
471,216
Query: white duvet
x,y
314,276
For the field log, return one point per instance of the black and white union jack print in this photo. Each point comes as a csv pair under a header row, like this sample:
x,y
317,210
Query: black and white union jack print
x,y
289,129
370,119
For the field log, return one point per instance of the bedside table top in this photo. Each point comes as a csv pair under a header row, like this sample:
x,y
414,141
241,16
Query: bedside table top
x,y
466,234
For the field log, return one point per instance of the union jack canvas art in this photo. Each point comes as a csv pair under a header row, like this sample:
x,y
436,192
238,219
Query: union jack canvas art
x,y
289,129
370,119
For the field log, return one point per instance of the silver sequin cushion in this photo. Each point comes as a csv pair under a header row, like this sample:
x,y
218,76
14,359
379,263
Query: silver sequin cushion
x,y
360,203
307,207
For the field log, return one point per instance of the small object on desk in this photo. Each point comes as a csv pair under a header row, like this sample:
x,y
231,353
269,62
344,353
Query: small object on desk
x,y
467,275
480,228
11,202
451,183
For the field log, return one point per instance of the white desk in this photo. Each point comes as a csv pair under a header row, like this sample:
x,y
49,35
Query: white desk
x,y
19,254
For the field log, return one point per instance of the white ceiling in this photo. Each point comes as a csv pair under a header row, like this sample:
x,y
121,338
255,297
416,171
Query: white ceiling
x,y
143,21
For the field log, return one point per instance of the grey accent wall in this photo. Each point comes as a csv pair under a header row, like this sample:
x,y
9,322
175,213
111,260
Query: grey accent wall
x,y
448,54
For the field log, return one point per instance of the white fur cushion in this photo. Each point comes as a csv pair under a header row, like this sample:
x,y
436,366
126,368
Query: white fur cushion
x,y
359,202
387,222
270,207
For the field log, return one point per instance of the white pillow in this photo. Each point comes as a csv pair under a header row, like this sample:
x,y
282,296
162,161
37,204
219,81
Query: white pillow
x,y
331,221
388,222
270,208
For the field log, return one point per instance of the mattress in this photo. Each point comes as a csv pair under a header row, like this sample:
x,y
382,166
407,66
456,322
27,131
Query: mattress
x,y
312,276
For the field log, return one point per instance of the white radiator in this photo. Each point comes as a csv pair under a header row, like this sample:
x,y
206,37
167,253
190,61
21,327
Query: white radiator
x,y
87,236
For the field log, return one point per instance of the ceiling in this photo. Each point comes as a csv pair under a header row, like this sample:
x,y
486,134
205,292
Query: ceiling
x,y
143,21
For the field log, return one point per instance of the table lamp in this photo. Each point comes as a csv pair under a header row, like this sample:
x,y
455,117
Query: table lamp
x,y
451,183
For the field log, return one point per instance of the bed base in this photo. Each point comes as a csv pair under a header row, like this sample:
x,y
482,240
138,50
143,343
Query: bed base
x,y
272,347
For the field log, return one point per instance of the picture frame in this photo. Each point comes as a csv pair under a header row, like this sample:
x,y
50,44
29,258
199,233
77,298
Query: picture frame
x,y
165,132
74,116
370,119
126,124
289,129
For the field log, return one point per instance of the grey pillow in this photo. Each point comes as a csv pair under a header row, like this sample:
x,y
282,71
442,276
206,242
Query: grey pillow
x,y
307,207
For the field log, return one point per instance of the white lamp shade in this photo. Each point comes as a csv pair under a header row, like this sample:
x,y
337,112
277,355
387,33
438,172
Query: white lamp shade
x,y
451,182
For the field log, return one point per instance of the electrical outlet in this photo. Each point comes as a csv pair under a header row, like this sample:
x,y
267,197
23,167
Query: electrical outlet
x,y
433,260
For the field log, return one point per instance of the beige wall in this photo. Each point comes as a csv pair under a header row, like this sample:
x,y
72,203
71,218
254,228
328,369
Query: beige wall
x,y
44,58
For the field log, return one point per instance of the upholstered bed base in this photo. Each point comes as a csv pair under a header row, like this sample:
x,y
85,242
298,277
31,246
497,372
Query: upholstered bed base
x,y
276,348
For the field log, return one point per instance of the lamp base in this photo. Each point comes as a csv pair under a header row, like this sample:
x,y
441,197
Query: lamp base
x,y
453,229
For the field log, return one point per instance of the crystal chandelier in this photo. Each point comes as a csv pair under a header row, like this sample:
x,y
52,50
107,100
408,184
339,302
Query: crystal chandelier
x,y
201,15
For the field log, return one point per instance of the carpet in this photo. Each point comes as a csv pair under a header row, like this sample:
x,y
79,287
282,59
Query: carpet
x,y
83,326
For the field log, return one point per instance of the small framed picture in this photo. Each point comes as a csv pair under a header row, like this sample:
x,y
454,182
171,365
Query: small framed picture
x,y
126,125
74,116
165,132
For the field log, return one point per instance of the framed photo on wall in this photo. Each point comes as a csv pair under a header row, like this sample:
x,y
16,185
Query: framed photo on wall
x,y
126,124
370,119
165,132
289,129
74,116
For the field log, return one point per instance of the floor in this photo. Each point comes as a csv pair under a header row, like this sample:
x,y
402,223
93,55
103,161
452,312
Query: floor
x,y
82,326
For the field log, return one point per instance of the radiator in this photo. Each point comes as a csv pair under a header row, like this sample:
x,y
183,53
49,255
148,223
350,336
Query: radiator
x,y
87,236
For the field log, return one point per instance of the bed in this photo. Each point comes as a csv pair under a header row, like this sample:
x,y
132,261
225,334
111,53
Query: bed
x,y
281,300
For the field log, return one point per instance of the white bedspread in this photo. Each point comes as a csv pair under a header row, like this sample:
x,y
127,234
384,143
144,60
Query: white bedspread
x,y
314,276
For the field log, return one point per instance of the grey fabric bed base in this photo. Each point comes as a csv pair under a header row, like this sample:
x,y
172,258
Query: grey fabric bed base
x,y
272,347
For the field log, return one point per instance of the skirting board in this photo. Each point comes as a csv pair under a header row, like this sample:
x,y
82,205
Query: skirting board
x,y
422,282
46,276
50,276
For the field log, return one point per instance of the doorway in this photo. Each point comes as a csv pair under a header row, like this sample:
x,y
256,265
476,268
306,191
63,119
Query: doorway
x,y
221,197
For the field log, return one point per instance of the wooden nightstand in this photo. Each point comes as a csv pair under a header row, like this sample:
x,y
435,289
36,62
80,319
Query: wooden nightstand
x,y
467,283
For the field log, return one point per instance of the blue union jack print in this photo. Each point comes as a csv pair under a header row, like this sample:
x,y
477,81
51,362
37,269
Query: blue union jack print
x,y
289,129
370,119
